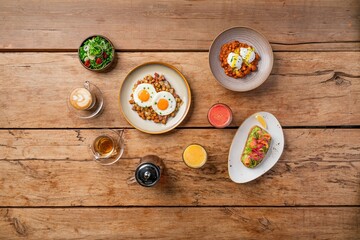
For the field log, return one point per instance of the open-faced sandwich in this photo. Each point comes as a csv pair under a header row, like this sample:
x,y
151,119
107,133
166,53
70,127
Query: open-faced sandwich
x,y
256,147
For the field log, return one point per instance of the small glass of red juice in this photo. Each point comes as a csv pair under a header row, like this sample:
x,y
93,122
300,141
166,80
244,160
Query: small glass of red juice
x,y
220,115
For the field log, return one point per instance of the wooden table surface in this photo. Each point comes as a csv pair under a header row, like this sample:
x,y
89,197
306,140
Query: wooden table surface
x,y
50,188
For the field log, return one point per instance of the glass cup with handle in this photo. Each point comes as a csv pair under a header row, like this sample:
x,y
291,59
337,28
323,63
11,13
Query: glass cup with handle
x,y
108,146
86,101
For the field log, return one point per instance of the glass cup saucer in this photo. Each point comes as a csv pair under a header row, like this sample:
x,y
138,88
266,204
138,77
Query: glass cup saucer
x,y
108,146
96,109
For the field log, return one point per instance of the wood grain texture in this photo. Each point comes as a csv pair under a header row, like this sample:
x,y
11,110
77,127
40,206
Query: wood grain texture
x,y
180,223
178,25
53,168
304,89
51,189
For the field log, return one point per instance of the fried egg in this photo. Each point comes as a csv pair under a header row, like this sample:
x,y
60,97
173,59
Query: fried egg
x,y
234,60
164,103
144,94
247,54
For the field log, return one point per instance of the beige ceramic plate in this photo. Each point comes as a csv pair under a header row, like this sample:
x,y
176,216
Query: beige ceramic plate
x,y
262,47
176,80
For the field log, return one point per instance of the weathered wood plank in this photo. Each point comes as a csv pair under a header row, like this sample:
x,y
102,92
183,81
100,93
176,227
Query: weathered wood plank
x,y
318,167
140,24
323,144
180,223
305,89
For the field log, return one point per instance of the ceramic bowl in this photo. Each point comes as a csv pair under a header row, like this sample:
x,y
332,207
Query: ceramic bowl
x,y
106,67
261,46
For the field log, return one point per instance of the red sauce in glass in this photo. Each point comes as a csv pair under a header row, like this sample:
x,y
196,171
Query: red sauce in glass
x,y
220,115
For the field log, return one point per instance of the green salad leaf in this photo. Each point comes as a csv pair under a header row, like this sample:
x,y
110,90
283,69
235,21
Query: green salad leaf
x,y
96,53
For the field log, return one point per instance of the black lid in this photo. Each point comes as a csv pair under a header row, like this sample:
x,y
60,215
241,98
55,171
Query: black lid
x,y
147,174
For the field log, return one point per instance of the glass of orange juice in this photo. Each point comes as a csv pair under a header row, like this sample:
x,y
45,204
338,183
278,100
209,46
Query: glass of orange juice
x,y
194,156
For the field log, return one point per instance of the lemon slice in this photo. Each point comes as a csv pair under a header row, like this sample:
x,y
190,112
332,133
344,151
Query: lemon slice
x,y
261,120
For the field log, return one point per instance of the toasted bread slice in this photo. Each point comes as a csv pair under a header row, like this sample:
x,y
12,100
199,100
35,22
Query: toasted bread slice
x,y
256,147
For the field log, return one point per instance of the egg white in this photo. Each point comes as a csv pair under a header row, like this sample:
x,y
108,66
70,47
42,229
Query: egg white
x,y
171,100
150,89
248,54
234,60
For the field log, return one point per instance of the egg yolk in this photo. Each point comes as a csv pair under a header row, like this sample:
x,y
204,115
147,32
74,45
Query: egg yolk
x,y
163,104
248,54
144,95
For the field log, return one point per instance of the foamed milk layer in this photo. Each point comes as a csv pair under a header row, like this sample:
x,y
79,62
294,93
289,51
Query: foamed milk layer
x,y
81,98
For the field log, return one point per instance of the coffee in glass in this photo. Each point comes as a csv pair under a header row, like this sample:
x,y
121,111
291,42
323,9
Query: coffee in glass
x,y
86,101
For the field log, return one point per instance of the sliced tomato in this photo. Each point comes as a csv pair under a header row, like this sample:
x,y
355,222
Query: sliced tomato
x,y
105,55
98,61
87,63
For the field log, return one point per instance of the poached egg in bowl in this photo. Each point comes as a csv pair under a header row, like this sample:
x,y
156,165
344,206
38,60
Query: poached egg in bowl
x,y
234,60
238,59
248,54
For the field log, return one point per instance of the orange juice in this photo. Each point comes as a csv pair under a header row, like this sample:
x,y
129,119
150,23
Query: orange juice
x,y
194,156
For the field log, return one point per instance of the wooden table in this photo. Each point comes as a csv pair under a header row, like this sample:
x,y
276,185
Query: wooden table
x,y
51,189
